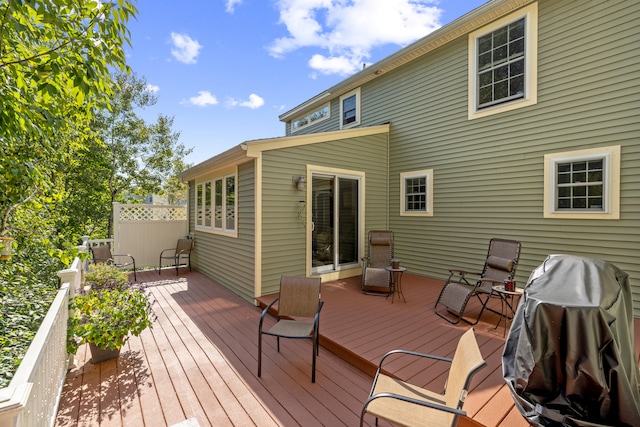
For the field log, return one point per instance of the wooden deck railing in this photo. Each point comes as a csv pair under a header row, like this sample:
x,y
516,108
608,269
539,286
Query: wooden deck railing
x,y
31,399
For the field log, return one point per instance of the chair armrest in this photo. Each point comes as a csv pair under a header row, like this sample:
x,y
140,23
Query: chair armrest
x,y
165,250
415,401
124,255
316,318
463,272
414,354
265,311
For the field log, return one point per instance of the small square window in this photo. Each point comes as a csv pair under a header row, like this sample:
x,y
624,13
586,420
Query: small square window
x,y
583,184
416,193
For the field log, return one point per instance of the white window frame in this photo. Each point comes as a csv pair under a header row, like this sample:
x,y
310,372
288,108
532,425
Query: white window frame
x,y
530,14
611,186
201,205
428,175
225,228
308,118
356,122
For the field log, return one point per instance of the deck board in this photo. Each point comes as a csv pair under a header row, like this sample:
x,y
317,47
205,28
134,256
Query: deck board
x,y
200,360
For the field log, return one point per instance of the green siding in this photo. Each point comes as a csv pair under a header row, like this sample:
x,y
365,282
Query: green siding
x,y
488,172
228,260
284,236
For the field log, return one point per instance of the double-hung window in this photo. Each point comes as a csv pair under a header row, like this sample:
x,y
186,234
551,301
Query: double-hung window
x,y
583,184
216,204
503,64
350,109
416,193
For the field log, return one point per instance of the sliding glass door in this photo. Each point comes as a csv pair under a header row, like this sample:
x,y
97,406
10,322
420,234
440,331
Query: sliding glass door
x,y
335,210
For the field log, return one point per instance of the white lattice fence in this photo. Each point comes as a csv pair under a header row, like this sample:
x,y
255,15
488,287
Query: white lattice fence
x,y
144,230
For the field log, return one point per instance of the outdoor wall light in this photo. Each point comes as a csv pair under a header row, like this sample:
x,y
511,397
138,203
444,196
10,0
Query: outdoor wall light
x,y
299,182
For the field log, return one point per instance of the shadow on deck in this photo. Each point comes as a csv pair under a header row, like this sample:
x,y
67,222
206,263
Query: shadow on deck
x,y
199,361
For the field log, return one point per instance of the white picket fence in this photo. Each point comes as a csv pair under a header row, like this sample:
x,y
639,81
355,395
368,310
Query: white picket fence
x,y
31,399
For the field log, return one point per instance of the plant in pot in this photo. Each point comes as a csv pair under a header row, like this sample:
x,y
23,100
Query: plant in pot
x,y
107,311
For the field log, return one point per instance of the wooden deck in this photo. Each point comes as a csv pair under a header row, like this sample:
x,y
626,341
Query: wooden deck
x,y
198,364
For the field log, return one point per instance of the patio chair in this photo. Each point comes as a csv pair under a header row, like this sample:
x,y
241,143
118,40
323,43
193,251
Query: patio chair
x,y
298,315
181,252
102,253
405,404
500,265
376,279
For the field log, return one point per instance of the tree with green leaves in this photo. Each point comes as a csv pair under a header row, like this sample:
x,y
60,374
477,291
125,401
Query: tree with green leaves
x,y
56,58
137,157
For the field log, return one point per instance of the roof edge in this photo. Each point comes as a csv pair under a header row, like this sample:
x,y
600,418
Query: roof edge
x,y
462,26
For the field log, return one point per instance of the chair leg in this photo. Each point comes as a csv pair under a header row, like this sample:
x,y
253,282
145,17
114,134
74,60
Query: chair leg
x,y
313,364
259,353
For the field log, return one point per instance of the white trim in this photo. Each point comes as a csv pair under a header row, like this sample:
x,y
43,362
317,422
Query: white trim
x,y
428,175
212,179
611,208
341,173
530,13
357,94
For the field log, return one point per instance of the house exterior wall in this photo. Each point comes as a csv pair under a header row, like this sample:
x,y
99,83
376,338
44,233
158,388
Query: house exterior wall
x,y
226,259
284,228
489,172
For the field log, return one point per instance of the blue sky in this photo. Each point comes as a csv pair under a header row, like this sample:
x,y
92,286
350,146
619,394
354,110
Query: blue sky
x,y
226,69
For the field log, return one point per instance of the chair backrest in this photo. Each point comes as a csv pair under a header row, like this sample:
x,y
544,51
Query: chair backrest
x,y
502,261
380,248
467,360
101,253
299,296
184,246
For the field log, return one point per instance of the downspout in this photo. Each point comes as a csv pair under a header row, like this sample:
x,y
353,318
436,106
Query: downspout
x,y
388,213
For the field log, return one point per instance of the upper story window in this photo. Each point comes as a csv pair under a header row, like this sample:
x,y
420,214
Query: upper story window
x,y
583,184
350,109
216,204
416,193
313,117
503,64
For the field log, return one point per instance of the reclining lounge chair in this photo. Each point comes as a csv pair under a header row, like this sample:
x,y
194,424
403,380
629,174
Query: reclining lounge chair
x,y
376,279
500,265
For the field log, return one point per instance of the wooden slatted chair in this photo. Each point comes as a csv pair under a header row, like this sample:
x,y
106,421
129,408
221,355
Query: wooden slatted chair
x,y
405,404
500,265
299,308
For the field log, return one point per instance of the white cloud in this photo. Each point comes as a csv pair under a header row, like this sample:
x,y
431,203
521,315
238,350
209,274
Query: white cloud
x,y
349,29
203,99
231,4
185,49
254,102
152,88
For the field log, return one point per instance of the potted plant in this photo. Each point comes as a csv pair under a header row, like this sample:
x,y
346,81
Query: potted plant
x,y
106,311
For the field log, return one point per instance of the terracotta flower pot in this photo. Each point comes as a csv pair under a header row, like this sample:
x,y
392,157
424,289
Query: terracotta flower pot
x,y
101,354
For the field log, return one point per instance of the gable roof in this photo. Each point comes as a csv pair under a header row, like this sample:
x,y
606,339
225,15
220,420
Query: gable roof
x,y
252,149
477,18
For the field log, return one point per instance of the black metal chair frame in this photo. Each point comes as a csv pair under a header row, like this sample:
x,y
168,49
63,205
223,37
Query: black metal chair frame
x,y
177,255
112,259
285,327
463,288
